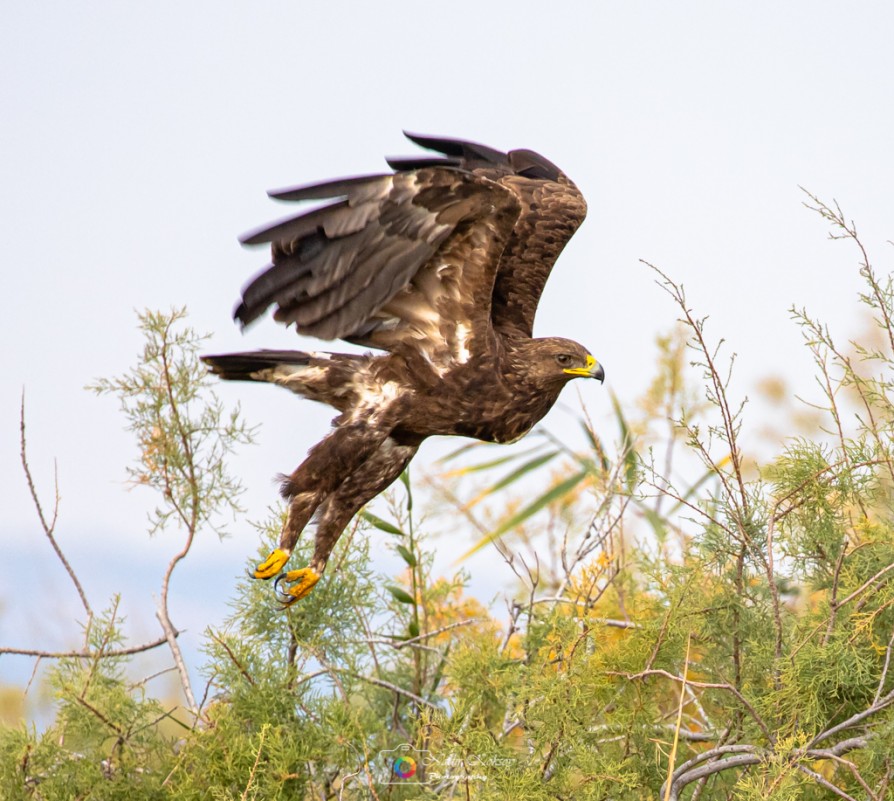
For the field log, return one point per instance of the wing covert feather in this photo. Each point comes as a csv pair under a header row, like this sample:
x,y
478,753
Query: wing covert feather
x,y
334,267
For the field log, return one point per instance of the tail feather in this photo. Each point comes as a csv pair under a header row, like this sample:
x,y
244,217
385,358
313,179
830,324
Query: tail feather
x,y
248,366
324,377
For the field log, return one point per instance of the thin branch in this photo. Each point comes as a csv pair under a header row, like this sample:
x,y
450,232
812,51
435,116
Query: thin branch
x,y
232,656
823,782
833,596
706,686
171,639
50,527
601,621
684,734
254,768
712,754
854,720
144,681
33,676
394,688
864,586
515,610
881,681
86,653
668,490
673,754
855,773
98,653
718,760
311,676
398,644
739,761
87,705
191,524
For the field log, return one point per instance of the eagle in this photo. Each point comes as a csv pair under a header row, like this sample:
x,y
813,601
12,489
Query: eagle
x,y
438,267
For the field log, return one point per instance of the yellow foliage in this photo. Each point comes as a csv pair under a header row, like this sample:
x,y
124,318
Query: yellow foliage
x,y
12,705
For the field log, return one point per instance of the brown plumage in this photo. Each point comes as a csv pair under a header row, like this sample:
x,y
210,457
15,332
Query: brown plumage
x,y
441,264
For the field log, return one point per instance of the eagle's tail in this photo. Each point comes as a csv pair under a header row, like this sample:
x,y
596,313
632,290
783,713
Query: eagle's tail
x,y
324,377
255,365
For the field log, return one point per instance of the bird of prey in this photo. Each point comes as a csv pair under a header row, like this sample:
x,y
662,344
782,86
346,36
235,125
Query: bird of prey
x,y
438,265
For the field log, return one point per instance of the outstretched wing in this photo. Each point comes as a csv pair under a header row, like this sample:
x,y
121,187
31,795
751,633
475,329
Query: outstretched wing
x,y
403,261
430,259
552,209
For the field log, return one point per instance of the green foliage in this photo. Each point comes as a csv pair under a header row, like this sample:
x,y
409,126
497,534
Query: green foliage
x,y
184,434
685,623
107,740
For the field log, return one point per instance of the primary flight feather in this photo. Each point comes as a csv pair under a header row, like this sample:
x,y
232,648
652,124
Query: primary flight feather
x,y
441,264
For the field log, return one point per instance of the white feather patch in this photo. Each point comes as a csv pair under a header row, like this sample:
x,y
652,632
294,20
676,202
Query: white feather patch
x,y
298,374
463,335
373,398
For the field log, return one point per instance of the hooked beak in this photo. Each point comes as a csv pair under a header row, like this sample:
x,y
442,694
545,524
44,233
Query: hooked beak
x,y
592,370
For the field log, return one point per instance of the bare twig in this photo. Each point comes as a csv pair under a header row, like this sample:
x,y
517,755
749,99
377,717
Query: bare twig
x,y
191,522
715,753
86,653
144,681
854,771
833,595
49,527
703,685
393,687
33,676
171,639
864,586
666,489
669,728
823,782
311,676
854,720
398,644
600,621
515,610
99,653
881,681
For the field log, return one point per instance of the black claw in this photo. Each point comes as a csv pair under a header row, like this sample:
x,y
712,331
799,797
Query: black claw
x,y
251,575
285,599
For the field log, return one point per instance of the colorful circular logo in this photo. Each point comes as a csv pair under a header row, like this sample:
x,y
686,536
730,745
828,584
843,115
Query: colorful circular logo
x,y
404,767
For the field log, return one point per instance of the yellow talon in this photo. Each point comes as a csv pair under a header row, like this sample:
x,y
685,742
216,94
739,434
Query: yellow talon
x,y
272,564
303,581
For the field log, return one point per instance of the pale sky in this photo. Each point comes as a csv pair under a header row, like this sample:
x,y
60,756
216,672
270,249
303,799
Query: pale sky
x,y
138,141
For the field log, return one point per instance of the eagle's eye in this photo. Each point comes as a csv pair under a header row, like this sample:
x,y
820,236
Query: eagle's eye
x,y
565,359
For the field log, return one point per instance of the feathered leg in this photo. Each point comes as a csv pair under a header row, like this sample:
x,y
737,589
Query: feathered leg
x,y
340,454
336,512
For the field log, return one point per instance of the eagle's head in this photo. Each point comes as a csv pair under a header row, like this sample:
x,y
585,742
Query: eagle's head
x,y
555,361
